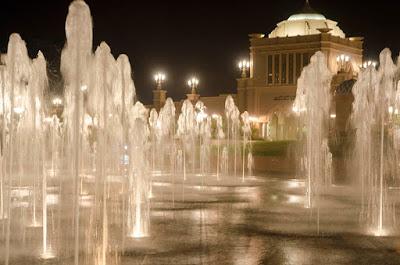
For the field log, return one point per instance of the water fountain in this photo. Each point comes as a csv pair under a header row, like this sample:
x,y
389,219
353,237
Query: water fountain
x,y
219,134
313,101
246,137
97,171
138,216
186,126
374,117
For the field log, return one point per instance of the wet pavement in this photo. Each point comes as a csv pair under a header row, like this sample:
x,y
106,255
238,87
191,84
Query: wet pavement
x,y
259,221
262,221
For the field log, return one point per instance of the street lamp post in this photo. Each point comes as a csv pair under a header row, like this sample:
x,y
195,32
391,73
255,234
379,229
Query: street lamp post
x,y
57,101
193,83
367,64
244,65
159,78
342,61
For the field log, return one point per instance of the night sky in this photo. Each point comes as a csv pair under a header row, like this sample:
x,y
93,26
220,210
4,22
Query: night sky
x,y
205,38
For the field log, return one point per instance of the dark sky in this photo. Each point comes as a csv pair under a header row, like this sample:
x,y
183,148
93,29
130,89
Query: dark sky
x,y
182,38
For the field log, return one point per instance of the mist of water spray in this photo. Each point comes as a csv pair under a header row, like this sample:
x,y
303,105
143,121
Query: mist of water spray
x,y
313,101
375,110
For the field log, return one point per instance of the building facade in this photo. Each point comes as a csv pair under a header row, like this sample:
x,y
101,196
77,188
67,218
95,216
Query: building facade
x,y
276,62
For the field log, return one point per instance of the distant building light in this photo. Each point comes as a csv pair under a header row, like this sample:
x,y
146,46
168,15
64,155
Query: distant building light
x,y
19,110
159,78
57,101
244,65
367,64
254,119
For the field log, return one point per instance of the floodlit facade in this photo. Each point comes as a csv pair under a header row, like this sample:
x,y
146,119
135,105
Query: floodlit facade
x,y
276,62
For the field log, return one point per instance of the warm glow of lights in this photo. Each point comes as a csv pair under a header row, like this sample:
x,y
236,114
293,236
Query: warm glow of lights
x,y
38,103
84,88
48,119
390,109
86,201
19,110
49,254
52,199
193,82
244,64
161,184
20,192
378,232
333,116
215,116
369,63
254,119
35,223
88,120
294,199
201,116
137,234
159,77
295,184
57,101
297,17
343,58
158,124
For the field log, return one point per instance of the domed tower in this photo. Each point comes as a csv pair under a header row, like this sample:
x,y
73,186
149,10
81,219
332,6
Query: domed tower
x,y
306,22
277,59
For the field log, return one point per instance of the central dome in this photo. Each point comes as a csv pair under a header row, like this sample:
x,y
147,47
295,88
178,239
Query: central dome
x,y
306,22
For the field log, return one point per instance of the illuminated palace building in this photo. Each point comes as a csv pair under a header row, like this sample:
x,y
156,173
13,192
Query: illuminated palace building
x,y
276,62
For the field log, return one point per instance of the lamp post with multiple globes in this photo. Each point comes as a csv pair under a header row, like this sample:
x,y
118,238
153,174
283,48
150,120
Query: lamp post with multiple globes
x,y
159,78
244,66
193,83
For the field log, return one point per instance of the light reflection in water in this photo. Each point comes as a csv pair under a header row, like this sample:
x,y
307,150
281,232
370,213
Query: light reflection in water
x,y
294,183
49,254
294,199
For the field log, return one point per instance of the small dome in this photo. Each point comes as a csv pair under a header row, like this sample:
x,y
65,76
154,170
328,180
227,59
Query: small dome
x,y
306,22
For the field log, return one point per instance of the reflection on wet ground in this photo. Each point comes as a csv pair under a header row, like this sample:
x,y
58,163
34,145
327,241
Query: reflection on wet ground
x,y
260,222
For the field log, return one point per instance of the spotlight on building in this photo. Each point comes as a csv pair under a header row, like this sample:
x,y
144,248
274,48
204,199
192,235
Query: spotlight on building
x,y
343,62
193,83
159,78
244,66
